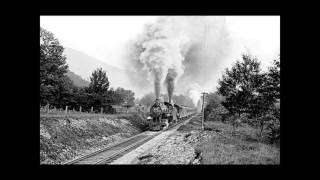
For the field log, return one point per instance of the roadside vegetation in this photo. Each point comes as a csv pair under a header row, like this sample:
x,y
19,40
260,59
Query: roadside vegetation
x,y
226,146
246,95
242,118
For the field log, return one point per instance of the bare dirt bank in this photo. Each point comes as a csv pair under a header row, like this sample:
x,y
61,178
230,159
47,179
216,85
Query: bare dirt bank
x,y
63,138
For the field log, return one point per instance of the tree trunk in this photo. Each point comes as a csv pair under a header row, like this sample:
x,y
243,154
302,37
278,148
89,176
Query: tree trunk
x,y
261,129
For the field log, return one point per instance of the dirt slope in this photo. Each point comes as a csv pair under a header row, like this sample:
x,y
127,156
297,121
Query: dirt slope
x,y
65,137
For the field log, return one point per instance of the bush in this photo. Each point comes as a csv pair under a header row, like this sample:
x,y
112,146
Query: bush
x,y
273,125
138,120
218,113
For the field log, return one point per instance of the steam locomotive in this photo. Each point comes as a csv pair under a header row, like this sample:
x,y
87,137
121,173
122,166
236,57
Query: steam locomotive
x,y
164,114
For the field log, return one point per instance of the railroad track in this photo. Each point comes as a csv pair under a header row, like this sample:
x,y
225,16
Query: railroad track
x,y
108,154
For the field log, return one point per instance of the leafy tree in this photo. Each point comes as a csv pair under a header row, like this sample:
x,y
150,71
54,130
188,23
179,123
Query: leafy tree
x,y
272,85
84,98
99,82
268,95
270,91
214,110
127,96
64,92
114,97
240,85
52,66
148,99
248,91
98,88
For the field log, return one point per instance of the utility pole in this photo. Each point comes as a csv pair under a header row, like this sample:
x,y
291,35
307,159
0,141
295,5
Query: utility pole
x,y
203,95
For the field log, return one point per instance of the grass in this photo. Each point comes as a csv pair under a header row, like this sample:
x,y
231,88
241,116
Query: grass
x,y
136,119
239,147
82,115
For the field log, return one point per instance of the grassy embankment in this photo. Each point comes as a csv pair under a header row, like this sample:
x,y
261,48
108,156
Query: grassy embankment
x,y
239,147
65,136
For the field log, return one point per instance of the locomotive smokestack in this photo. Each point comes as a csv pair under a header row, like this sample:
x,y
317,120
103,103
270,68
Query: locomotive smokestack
x,y
172,74
157,79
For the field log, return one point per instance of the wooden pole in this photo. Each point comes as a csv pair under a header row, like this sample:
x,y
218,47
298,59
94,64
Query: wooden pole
x,y
66,109
101,110
202,124
80,109
91,108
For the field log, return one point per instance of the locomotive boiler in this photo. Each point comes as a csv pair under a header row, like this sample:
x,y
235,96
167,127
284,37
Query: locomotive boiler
x,y
164,114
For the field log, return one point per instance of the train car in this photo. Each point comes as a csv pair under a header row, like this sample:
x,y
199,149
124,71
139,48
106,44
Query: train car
x,y
171,113
179,110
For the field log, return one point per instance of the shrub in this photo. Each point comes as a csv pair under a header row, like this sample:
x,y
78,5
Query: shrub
x,y
138,120
273,125
218,113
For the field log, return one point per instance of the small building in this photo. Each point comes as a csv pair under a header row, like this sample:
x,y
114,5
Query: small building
x,y
119,109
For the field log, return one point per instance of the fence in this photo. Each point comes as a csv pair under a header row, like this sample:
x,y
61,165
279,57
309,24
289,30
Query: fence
x,y
67,110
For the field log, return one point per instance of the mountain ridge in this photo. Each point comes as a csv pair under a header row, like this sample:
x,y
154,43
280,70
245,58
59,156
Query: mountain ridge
x,y
77,80
83,65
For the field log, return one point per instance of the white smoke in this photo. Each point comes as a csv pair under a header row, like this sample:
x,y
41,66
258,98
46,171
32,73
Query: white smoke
x,y
191,46
163,49
194,92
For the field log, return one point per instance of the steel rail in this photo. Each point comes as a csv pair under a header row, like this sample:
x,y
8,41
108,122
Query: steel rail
x,y
136,144
103,149
122,142
132,146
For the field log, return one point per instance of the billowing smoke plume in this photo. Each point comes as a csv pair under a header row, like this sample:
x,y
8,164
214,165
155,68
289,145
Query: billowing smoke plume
x,y
170,81
194,92
191,47
162,53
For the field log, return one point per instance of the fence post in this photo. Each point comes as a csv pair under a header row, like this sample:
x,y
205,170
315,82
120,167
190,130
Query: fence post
x,y
66,109
80,109
48,108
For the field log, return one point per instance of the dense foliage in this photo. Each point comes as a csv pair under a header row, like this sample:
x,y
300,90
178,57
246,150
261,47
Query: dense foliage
x,y
214,109
52,68
247,95
58,90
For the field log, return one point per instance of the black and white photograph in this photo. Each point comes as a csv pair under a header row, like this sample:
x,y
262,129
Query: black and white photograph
x,y
159,90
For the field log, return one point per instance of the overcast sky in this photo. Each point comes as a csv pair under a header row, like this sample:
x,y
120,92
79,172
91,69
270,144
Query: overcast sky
x,y
103,37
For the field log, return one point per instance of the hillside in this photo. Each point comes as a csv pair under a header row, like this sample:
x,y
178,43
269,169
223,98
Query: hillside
x,y
83,65
77,80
